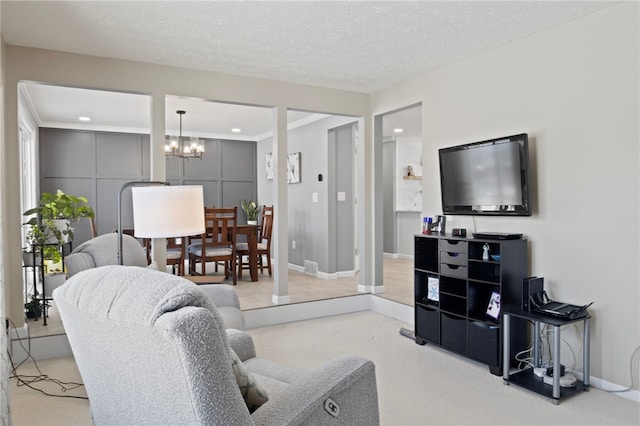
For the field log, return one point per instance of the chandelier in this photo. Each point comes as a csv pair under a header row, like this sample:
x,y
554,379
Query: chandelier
x,y
182,146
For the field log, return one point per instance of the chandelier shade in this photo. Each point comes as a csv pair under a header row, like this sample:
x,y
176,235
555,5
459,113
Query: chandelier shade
x,y
182,146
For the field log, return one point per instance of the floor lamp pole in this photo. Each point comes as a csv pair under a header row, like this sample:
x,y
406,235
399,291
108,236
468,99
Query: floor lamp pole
x,y
122,188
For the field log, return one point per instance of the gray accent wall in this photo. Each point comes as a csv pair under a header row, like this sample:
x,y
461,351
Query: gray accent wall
x,y
341,199
96,164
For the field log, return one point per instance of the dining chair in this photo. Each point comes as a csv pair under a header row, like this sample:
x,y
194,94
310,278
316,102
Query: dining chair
x,y
175,254
264,244
218,243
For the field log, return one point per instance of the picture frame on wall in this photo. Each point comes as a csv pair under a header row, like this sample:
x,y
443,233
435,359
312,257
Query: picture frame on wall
x,y
293,167
269,166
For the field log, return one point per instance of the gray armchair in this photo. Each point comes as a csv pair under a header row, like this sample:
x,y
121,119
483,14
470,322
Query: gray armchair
x,y
152,349
103,251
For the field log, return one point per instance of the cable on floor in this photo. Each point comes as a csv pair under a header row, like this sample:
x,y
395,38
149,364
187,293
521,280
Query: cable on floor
x,y
30,380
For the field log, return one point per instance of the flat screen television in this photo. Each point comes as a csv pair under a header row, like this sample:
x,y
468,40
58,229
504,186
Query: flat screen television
x,y
486,178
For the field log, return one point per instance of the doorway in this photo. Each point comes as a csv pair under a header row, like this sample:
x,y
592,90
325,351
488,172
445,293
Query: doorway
x,y
398,193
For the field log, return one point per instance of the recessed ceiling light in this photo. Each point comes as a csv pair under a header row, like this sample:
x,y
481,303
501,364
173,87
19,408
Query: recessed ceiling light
x,y
236,130
84,118
398,130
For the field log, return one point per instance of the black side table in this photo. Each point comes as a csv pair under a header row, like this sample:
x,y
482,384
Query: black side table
x,y
526,378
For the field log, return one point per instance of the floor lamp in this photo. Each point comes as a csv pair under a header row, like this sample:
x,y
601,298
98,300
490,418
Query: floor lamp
x,y
162,211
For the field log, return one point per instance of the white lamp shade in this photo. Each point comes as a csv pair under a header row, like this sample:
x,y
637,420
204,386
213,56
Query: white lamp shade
x,y
167,211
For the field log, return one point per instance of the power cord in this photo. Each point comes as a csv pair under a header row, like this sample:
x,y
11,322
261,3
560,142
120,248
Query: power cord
x,y
630,387
546,331
29,380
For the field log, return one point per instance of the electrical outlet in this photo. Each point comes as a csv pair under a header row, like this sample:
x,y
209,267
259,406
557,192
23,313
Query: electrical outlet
x,y
293,244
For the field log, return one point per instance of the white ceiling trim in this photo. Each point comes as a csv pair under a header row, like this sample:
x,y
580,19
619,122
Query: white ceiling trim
x,y
294,125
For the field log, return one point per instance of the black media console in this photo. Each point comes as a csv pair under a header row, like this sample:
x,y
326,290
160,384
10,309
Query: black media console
x,y
456,281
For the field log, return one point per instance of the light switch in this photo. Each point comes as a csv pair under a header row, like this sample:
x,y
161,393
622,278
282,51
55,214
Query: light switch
x,y
342,196
314,197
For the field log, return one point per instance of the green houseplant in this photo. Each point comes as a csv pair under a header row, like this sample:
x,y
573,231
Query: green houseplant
x,y
55,212
33,308
38,235
251,210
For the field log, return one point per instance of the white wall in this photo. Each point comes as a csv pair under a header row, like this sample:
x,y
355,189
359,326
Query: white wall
x,y
575,90
4,359
408,192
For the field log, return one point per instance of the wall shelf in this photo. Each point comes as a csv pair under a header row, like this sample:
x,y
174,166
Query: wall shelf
x,y
412,177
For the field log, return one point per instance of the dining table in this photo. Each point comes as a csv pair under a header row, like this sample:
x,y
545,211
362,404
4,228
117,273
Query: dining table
x,y
251,232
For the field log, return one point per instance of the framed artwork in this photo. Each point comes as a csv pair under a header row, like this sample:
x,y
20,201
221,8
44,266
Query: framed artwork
x,y
293,168
269,165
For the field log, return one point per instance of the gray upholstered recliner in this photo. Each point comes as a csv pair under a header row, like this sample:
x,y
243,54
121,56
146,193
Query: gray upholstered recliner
x,y
103,250
152,349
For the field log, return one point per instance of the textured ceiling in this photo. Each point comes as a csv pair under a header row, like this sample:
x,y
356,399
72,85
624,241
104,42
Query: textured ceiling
x,y
354,45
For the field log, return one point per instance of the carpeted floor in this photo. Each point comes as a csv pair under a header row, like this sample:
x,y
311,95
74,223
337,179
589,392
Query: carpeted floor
x,y
417,385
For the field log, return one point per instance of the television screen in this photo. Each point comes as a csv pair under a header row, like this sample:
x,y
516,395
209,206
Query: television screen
x,y
486,178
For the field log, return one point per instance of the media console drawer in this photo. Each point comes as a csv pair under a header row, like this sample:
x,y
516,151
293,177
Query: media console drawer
x,y
428,324
453,246
453,258
454,333
457,271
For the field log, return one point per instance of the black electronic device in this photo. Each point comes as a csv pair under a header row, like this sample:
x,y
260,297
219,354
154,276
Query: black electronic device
x,y
531,286
459,232
542,304
486,178
496,236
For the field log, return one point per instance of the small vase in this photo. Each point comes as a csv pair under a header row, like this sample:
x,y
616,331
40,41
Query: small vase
x,y
252,222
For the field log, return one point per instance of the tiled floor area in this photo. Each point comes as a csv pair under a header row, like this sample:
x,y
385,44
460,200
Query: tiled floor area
x,y
398,284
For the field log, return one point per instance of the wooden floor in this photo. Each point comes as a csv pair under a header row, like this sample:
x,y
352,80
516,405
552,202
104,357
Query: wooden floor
x,y
398,285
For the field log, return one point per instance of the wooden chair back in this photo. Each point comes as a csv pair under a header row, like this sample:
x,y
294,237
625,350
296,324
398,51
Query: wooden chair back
x,y
267,225
220,225
218,243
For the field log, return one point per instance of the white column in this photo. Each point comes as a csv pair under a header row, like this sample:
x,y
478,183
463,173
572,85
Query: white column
x,y
373,219
158,166
281,203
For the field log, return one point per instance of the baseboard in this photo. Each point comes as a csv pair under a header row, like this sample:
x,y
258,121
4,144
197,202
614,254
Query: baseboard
x,y
296,268
263,317
43,347
324,275
398,256
280,300
371,289
606,386
392,309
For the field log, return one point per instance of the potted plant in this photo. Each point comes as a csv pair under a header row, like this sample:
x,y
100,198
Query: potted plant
x,y
38,235
56,211
52,259
33,308
251,210
28,256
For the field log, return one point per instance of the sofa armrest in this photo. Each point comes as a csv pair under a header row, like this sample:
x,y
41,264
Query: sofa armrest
x,y
241,343
78,262
221,294
345,385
